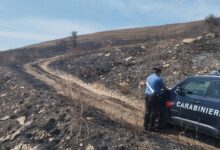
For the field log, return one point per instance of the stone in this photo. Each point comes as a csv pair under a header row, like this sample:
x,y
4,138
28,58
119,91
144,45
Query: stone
x,y
14,135
143,47
81,144
142,83
41,111
129,58
51,139
177,45
199,38
107,55
11,137
123,84
5,118
21,120
189,40
175,73
210,35
28,123
90,147
22,146
89,118
166,65
3,95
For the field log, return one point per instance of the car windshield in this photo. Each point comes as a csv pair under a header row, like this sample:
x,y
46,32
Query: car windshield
x,y
196,87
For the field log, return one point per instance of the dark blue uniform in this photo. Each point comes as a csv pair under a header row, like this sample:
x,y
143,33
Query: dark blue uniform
x,y
154,84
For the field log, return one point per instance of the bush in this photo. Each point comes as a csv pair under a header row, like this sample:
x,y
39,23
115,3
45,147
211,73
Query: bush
x,y
212,22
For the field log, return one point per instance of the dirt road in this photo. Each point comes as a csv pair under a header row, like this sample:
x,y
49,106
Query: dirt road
x,y
115,105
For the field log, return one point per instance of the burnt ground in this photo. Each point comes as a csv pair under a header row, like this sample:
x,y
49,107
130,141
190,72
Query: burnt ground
x,y
124,68
51,121
33,115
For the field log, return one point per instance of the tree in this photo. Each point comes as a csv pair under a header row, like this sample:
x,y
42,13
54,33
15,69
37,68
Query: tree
x,y
74,36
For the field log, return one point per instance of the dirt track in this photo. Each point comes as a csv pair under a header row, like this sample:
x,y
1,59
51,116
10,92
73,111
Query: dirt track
x,y
114,104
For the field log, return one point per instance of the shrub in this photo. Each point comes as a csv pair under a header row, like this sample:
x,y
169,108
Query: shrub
x,y
212,22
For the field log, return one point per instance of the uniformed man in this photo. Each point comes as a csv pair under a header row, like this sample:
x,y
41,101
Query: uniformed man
x,y
154,87
215,72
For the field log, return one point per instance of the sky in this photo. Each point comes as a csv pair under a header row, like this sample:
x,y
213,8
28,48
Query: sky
x,y
25,22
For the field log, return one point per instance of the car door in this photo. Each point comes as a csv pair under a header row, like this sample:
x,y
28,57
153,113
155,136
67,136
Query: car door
x,y
187,103
210,121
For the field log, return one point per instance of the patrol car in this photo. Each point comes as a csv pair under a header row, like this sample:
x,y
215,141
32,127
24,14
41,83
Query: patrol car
x,y
195,104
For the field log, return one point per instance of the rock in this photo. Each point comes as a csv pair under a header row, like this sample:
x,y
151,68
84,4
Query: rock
x,y
81,144
5,118
3,95
41,111
177,45
166,65
21,87
107,55
123,84
51,139
199,38
129,58
142,83
28,123
14,135
143,47
22,146
175,73
89,118
189,40
210,35
11,137
21,120
90,147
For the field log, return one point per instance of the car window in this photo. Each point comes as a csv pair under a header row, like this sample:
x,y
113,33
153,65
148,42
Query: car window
x,y
216,90
196,87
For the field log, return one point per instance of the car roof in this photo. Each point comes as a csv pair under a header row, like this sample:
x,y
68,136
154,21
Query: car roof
x,y
211,77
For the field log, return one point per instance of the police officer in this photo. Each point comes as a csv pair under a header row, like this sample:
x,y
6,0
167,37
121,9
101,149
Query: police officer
x,y
215,72
154,86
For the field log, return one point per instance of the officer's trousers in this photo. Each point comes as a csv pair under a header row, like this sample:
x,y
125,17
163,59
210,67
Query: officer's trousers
x,y
152,112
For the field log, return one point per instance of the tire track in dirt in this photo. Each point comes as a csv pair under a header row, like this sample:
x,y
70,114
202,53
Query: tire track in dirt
x,y
115,105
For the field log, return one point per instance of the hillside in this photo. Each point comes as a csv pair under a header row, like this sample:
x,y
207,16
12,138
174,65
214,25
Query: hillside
x,y
53,96
125,62
90,42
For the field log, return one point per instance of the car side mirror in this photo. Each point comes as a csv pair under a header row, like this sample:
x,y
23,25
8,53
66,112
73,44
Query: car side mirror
x,y
179,91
